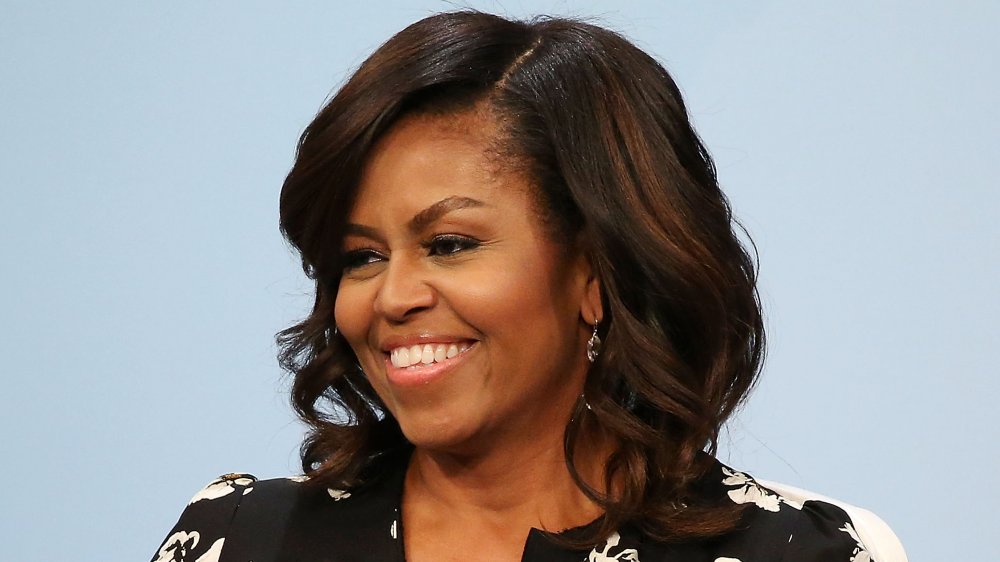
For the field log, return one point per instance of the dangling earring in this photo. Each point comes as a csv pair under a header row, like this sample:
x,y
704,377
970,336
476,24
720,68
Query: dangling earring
x,y
594,344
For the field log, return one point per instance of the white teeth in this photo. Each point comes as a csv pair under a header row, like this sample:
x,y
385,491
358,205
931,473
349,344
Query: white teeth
x,y
402,357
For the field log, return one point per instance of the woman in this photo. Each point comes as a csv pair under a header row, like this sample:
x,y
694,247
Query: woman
x,y
532,317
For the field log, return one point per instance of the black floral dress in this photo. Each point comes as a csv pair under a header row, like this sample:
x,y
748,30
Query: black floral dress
x,y
237,518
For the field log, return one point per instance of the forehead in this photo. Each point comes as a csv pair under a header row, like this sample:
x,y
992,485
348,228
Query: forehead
x,y
468,137
423,157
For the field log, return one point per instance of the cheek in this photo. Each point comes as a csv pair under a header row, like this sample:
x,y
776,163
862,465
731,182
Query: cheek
x,y
351,315
518,296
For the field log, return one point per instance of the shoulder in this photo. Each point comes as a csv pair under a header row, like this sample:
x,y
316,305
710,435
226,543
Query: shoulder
x,y
307,518
201,530
254,519
229,509
803,527
778,524
873,538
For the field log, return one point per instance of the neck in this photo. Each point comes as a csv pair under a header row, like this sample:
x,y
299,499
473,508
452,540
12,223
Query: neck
x,y
513,486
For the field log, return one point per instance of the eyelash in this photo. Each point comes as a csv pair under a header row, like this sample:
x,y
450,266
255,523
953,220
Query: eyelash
x,y
442,246
457,244
359,258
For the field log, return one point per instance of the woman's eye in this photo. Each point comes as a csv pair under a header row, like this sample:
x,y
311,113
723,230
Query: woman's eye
x,y
360,258
450,244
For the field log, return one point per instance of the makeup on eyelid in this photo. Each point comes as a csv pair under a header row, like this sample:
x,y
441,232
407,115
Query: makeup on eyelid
x,y
442,246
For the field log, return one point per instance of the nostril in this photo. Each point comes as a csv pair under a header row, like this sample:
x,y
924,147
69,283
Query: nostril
x,y
403,293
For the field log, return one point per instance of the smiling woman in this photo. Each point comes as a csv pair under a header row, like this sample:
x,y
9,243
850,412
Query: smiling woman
x,y
443,253
533,314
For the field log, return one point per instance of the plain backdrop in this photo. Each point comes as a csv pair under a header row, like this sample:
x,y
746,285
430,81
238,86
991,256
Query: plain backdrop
x,y
142,276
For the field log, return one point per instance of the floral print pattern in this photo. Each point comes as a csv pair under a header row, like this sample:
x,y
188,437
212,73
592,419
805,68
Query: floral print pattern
x,y
747,490
222,486
860,553
338,495
213,553
202,545
605,553
177,546
778,528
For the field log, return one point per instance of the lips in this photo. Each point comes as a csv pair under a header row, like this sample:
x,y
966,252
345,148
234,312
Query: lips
x,y
418,361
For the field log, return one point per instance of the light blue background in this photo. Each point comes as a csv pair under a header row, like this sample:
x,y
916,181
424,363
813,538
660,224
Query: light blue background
x,y
143,144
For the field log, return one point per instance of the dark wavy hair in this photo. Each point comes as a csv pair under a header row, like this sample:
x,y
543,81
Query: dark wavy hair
x,y
602,130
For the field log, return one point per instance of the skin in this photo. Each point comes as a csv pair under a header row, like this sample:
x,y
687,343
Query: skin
x,y
479,269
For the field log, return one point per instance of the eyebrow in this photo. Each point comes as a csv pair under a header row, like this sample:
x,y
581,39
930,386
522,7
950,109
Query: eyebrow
x,y
421,220
425,218
354,229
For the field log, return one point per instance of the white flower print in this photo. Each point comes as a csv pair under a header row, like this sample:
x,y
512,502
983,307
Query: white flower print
x,y
299,478
338,495
860,553
177,546
213,553
605,554
748,491
222,486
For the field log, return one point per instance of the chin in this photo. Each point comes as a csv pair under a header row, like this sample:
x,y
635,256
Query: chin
x,y
441,434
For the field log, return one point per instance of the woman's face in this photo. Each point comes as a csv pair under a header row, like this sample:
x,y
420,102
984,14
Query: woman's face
x,y
470,323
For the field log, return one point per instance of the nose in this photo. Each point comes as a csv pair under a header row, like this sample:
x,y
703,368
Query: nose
x,y
404,290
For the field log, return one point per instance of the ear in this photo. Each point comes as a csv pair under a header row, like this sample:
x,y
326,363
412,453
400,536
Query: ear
x,y
591,307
